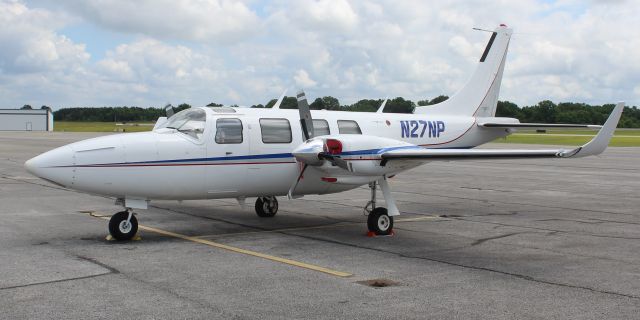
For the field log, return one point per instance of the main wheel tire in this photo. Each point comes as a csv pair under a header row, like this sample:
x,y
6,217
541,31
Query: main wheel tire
x,y
266,207
380,222
120,229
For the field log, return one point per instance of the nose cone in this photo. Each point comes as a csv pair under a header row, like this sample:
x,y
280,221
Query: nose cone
x,y
55,165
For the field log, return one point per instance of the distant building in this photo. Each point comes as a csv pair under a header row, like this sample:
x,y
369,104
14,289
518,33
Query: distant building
x,y
26,120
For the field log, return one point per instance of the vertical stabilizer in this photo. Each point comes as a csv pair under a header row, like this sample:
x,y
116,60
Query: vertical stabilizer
x,y
479,97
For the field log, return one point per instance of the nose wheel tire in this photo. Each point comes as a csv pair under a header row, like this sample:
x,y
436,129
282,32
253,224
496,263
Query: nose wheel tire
x,y
120,229
266,207
379,222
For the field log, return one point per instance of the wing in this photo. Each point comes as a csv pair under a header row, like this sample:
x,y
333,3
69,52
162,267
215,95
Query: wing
x,y
537,125
596,146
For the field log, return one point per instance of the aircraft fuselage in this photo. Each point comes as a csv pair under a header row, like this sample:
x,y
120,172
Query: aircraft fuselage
x,y
167,164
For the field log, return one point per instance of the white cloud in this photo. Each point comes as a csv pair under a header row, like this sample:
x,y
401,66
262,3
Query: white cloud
x,y
209,21
303,80
247,52
325,15
30,45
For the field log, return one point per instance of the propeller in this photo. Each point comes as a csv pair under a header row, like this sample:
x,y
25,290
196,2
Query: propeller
x,y
332,147
314,151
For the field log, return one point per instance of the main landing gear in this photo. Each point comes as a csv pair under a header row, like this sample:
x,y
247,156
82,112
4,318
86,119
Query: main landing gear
x,y
123,225
379,221
266,207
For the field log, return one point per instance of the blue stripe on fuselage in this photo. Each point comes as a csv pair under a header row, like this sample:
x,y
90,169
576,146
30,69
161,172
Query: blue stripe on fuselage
x,y
262,156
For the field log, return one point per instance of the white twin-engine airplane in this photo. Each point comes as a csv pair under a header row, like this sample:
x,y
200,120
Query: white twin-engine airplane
x,y
222,152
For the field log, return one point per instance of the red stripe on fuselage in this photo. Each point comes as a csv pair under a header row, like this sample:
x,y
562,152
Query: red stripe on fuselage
x,y
175,164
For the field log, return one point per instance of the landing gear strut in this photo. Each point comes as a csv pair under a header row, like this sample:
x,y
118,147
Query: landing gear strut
x,y
266,207
379,222
123,225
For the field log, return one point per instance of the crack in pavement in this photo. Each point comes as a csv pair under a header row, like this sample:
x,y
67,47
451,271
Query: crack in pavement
x,y
110,270
483,240
56,281
96,262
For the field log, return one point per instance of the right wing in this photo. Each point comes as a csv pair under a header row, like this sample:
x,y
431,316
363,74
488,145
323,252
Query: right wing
x,y
596,146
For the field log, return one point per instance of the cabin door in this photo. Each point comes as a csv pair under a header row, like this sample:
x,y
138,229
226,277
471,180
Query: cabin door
x,y
228,154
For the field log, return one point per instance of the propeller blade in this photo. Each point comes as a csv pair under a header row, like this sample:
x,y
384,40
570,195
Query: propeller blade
x,y
340,163
295,184
305,115
168,110
335,160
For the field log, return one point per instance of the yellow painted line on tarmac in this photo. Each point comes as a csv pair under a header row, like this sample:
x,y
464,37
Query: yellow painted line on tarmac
x,y
237,250
418,219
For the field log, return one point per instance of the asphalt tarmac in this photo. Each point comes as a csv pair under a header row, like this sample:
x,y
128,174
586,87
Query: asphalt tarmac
x,y
496,239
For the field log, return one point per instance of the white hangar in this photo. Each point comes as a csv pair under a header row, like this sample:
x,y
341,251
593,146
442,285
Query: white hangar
x,y
26,120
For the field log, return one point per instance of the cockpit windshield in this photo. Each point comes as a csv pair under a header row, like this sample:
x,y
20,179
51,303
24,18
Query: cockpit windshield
x,y
190,122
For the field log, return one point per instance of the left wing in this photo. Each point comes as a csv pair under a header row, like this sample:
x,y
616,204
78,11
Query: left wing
x,y
537,125
596,146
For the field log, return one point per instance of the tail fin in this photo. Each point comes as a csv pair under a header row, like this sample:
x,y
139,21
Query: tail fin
x,y
479,97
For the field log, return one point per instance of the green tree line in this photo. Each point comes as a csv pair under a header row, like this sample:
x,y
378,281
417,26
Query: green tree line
x,y
544,112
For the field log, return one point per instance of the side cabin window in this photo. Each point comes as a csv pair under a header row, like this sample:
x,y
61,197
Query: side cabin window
x,y
348,127
275,130
321,127
228,130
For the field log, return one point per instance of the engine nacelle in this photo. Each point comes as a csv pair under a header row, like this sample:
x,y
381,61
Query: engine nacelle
x,y
361,153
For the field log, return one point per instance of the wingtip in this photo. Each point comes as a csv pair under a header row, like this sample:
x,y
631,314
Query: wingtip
x,y
600,142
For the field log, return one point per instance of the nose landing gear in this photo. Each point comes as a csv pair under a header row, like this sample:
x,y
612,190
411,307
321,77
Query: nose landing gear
x,y
266,207
123,225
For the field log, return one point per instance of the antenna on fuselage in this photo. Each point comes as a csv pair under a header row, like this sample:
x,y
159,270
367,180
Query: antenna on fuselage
x,y
279,102
384,103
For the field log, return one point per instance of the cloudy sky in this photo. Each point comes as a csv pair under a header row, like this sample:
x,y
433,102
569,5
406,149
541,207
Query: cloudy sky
x,y
150,52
